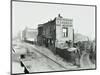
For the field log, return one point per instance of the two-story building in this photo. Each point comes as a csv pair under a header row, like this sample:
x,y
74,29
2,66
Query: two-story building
x,y
57,33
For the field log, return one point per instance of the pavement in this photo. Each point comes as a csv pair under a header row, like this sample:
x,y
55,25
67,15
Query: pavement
x,y
42,59
50,55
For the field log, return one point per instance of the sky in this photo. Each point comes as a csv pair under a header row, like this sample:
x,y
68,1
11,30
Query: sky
x,y
27,14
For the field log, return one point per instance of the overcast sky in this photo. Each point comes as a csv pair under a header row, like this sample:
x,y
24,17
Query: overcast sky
x,y
31,14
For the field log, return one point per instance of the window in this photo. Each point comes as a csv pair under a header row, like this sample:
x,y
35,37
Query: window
x,y
65,32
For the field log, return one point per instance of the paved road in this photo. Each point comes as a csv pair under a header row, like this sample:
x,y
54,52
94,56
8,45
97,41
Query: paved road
x,y
37,61
40,62
41,59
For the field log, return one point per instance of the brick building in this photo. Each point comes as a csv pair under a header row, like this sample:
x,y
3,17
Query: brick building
x,y
57,33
